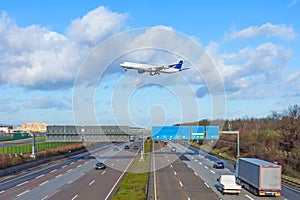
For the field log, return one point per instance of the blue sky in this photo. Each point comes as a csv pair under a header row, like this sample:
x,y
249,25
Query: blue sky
x,y
52,54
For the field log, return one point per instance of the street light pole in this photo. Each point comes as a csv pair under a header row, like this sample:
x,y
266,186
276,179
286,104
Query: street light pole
x,y
142,151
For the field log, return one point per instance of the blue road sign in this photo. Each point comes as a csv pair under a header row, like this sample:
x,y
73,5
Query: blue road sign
x,y
212,132
198,133
170,132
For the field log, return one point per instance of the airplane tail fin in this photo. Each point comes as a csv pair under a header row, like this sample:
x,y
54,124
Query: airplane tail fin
x,y
179,65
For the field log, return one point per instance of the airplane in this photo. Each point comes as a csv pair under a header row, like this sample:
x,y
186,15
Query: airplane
x,y
153,69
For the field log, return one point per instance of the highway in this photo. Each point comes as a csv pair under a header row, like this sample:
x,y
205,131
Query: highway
x,y
190,176
75,178
175,175
174,180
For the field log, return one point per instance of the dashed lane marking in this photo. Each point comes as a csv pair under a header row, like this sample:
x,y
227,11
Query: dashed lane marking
x,y
45,197
22,183
249,197
23,193
180,184
75,197
44,183
206,184
93,181
40,176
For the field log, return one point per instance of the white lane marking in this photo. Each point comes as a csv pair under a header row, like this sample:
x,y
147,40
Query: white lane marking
x,y
70,182
205,167
196,160
53,170
188,166
2,191
103,172
45,197
180,184
212,172
117,182
58,176
40,176
22,183
196,173
69,170
112,164
117,160
249,197
79,166
22,193
175,173
93,181
64,166
206,184
75,197
44,182
188,198
86,162
168,160
171,166
200,163
72,163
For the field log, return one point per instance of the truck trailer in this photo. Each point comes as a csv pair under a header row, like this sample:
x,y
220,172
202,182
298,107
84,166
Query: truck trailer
x,y
260,177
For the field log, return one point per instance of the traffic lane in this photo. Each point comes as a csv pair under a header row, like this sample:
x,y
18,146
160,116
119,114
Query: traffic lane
x,y
176,180
26,186
68,174
203,167
97,184
167,184
286,192
192,184
4,185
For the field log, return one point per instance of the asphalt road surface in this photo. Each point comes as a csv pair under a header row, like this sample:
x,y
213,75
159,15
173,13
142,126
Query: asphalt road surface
x,y
75,178
173,178
186,175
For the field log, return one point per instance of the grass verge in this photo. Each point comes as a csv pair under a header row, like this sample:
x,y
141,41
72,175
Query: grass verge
x,y
134,183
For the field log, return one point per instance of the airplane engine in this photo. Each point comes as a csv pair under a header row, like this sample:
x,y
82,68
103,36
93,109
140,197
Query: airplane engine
x,y
140,71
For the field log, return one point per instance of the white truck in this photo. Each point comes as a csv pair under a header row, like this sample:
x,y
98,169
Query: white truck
x,y
260,177
227,185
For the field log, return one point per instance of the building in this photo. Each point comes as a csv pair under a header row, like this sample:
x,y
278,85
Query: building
x,y
34,127
6,129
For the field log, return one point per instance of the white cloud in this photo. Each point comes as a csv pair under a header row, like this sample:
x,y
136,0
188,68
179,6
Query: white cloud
x,y
251,69
45,102
37,57
266,30
96,25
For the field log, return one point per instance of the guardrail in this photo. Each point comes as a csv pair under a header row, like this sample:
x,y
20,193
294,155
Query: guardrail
x,y
291,183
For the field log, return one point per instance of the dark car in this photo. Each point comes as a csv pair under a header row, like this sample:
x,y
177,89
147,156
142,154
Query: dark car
x,y
219,164
126,147
100,165
136,147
